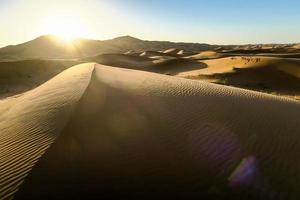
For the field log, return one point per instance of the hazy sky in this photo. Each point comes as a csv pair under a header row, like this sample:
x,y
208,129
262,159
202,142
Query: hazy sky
x,y
207,21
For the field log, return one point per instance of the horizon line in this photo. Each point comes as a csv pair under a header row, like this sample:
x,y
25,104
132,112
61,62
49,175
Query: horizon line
x,y
138,38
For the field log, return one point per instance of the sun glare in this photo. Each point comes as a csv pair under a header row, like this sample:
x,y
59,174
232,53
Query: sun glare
x,y
66,27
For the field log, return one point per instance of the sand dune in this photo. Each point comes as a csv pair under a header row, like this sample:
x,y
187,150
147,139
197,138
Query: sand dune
x,y
122,60
167,53
280,55
160,64
268,74
296,46
30,123
178,52
161,58
228,64
172,51
261,48
206,55
132,52
152,53
52,47
175,66
20,76
104,132
181,52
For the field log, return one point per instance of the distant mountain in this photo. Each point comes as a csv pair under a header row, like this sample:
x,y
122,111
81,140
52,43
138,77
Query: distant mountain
x,y
52,47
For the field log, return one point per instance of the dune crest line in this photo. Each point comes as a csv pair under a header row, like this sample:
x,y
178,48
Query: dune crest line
x,y
33,121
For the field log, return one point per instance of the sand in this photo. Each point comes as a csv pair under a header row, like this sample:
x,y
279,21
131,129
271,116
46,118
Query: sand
x,y
227,64
20,76
152,53
96,131
160,64
31,122
272,73
173,51
122,60
296,46
206,55
268,74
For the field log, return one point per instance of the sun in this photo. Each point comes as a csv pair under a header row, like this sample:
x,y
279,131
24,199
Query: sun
x,y
66,27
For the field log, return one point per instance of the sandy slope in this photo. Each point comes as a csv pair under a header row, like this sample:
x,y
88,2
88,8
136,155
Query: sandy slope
x,y
206,55
122,60
296,46
136,135
20,76
174,52
268,74
224,65
173,66
30,123
160,64
152,53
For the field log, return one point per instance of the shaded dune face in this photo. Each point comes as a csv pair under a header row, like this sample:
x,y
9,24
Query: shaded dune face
x,y
21,76
206,55
173,66
139,135
161,64
30,124
122,60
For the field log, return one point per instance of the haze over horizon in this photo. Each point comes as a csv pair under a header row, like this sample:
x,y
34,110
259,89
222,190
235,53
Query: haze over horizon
x,y
213,22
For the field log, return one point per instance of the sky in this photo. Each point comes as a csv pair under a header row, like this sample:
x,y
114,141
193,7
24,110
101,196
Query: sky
x,y
202,21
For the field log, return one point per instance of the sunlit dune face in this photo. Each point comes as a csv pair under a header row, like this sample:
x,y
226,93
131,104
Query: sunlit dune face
x,y
66,27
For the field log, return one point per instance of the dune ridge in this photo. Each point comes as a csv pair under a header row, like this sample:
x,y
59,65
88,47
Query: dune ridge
x,y
30,123
144,135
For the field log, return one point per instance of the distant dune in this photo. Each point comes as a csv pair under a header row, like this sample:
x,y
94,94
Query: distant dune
x,y
152,54
229,64
164,63
103,132
206,55
122,60
296,46
52,47
269,74
172,51
20,76
274,73
173,66
210,63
